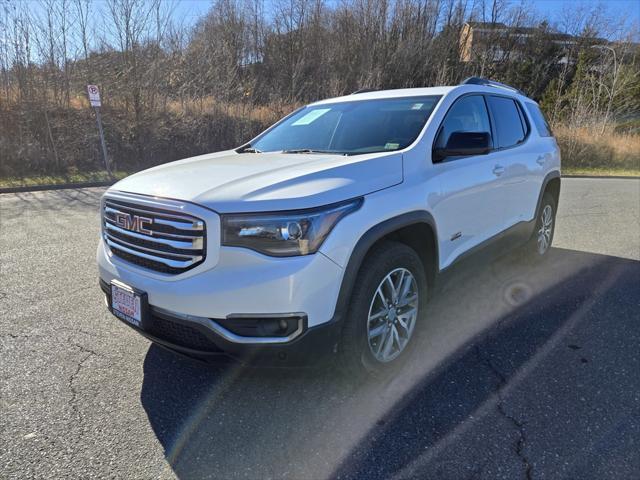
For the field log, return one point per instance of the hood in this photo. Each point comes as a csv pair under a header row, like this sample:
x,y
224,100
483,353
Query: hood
x,y
250,182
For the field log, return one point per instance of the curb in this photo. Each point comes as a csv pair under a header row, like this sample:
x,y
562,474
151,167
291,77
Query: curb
x,y
61,186
65,186
617,177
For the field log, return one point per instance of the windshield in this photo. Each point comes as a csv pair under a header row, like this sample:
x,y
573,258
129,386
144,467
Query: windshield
x,y
361,126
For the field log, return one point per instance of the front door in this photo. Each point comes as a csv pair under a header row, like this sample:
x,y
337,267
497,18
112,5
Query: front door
x,y
470,205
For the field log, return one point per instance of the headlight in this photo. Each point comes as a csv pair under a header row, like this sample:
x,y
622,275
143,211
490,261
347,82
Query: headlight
x,y
285,234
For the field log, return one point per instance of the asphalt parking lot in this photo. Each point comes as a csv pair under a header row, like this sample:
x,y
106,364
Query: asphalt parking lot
x,y
521,372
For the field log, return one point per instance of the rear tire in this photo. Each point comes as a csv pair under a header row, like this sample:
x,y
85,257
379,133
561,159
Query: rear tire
x,y
385,310
538,246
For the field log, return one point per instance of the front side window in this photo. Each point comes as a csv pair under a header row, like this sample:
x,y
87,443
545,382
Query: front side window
x,y
356,127
510,126
468,114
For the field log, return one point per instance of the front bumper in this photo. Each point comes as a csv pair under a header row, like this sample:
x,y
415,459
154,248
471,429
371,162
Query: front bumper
x,y
199,338
242,282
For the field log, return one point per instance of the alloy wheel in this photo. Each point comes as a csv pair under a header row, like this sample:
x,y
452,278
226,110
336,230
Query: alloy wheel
x,y
545,230
392,315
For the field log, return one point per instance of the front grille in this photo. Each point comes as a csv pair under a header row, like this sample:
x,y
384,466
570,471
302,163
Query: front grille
x,y
154,238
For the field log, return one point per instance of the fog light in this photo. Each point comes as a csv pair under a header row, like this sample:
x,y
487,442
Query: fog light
x,y
250,326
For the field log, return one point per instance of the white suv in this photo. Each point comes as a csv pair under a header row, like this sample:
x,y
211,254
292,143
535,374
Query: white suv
x,y
324,235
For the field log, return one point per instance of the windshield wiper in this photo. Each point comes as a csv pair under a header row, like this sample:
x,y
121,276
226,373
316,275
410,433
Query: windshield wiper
x,y
310,150
248,149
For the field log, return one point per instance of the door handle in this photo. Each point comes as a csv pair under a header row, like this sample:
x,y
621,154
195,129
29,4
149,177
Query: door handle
x,y
498,170
541,160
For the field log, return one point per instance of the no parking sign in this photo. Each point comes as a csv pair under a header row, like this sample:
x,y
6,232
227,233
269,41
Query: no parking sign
x,y
94,95
94,100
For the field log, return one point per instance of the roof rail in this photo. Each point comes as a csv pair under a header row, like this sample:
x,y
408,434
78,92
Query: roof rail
x,y
489,83
364,90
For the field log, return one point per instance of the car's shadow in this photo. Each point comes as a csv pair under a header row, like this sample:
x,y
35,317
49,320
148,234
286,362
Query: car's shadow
x,y
489,324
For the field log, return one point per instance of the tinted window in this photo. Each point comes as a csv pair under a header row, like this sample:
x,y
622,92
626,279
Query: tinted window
x,y
538,119
468,114
508,122
359,126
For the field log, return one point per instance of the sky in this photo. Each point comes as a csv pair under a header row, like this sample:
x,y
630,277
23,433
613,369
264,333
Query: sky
x,y
629,10
554,7
189,11
192,9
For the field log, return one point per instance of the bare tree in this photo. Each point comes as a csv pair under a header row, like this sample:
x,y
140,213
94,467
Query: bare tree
x,y
172,87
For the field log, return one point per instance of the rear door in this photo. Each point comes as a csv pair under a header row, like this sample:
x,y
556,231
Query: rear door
x,y
545,148
470,205
515,159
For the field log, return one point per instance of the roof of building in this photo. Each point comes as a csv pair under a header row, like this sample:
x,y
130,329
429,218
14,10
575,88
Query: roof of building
x,y
497,26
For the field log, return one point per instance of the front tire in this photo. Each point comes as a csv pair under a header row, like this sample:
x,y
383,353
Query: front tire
x,y
385,310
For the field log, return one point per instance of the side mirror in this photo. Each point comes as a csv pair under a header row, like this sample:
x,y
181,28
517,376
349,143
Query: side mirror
x,y
462,144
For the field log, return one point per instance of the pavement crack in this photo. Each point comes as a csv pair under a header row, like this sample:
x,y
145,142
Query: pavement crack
x,y
518,425
14,335
86,349
71,384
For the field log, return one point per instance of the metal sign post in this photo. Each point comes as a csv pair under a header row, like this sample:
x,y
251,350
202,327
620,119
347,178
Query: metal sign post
x,y
94,100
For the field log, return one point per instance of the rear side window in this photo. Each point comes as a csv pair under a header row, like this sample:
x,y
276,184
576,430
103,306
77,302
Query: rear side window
x,y
510,125
539,120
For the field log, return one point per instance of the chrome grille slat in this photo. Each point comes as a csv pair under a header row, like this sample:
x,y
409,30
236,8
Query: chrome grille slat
x,y
197,224
157,234
183,244
179,225
164,240
184,225
151,251
166,261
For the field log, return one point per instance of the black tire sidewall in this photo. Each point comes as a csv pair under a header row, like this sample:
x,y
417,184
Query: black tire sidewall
x,y
382,260
547,199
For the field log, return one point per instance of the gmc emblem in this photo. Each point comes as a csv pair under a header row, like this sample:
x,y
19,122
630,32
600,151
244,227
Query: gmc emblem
x,y
135,223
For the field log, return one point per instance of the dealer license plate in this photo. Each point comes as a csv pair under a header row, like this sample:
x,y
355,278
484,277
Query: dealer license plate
x,y
126,304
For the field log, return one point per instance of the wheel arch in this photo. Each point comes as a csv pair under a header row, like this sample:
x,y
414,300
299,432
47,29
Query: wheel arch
x,y
551,184
416,229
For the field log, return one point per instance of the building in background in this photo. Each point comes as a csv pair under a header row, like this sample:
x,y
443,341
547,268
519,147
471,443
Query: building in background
x,y
497,42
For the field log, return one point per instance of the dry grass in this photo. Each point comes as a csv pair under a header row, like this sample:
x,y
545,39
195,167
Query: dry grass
x,y
181,129
77,177
588,149
600,172
265,114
